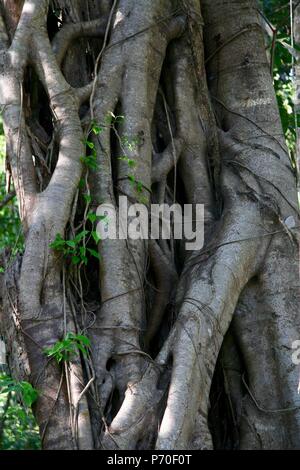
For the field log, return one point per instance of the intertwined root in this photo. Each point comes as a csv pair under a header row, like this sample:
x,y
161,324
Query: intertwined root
x,y
188,358
121,322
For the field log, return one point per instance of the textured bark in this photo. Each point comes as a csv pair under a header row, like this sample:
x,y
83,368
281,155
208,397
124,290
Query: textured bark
x,y
297,79
197,99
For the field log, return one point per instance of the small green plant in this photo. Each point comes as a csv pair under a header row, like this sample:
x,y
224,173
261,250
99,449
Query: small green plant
x,y
130,142
75,249
11,235
68,347
138,186
95,128
90,161
130,162
19,429
23,389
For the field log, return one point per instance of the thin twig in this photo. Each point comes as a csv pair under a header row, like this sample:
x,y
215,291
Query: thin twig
x,y
7,199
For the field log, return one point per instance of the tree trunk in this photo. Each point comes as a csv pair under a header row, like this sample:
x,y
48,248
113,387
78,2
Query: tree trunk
x,y
168,327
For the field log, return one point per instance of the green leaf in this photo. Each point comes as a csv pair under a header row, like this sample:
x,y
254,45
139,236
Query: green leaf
x,y
24,389
82,250
95,236
89,144
94,253
82,349
102,218
97,130
139,187
81,184
80,236
91,163
58,242
84,340
87,198
92,217
29,394
130,162
131,179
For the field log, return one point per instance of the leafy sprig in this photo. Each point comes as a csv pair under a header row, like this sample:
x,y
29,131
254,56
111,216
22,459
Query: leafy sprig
x,y
68,347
